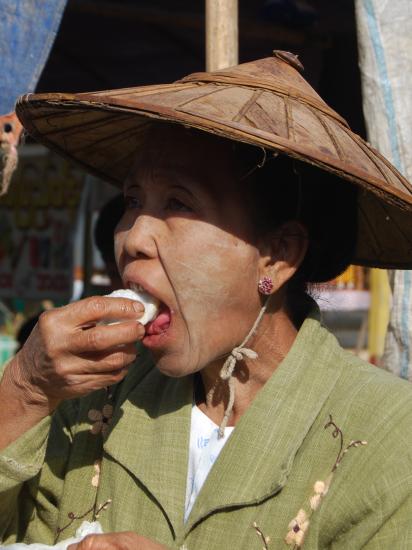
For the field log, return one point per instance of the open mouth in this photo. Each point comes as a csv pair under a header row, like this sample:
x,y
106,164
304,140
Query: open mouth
x,y
161,322
160,313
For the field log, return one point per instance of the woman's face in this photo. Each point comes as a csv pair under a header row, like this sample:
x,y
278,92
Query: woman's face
x,y
186,237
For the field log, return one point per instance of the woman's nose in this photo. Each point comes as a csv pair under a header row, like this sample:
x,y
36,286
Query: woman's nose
x,y
140,237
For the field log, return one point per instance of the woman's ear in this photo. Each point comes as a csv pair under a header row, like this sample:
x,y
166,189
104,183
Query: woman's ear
x,y
282,252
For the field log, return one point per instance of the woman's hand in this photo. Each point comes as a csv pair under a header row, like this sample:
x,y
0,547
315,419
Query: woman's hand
x,y
117,541
68,354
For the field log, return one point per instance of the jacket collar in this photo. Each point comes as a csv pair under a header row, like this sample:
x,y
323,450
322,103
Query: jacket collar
x,y
150,436
265,441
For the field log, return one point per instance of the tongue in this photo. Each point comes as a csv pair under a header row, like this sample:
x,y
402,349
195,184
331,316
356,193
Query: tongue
x,y
160,324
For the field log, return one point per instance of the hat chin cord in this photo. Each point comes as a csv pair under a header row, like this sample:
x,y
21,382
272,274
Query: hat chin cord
x,y
238,353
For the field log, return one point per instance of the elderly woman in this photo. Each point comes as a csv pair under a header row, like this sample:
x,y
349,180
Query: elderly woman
x,y
237,421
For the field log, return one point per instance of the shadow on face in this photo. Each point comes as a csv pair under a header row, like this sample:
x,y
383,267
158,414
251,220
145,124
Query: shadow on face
x,y
187,237
204,166
192,235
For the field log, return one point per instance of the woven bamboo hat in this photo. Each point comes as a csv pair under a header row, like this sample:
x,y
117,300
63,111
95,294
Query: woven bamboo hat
x,y
265,103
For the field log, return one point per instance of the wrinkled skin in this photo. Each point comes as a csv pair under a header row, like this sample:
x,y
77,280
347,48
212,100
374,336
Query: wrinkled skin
x,y
68,356
187,233
187,238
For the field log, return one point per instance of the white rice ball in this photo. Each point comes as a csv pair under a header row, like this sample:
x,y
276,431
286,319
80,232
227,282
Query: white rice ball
x,y
151,304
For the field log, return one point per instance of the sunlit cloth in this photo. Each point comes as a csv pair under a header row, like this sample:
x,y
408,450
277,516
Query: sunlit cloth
x,y
27,32
385,45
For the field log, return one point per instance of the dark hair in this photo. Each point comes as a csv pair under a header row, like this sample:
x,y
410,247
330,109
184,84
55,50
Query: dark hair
x,y
109,217
26,329
284,189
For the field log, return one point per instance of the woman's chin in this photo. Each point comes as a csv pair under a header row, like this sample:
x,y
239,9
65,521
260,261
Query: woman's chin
x,y
175,364
168,351
172,368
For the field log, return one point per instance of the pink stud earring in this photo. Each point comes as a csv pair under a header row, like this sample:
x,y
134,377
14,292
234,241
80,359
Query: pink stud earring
x,y
265,285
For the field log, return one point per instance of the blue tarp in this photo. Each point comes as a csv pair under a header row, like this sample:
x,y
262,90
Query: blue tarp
x,y
27,32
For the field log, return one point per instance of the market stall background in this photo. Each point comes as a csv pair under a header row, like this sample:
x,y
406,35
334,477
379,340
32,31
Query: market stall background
x,y
46,219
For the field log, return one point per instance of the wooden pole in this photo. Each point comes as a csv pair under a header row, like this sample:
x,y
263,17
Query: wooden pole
x,y
222,43
378,313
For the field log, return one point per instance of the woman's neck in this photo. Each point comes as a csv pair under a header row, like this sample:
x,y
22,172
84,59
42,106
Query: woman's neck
x,y
272,342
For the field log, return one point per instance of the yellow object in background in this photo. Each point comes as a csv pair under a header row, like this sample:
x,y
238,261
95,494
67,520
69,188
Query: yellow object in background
x,y
378,313
346,279
353,278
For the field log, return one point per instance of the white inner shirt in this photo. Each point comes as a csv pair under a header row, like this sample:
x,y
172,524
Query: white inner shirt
x,y
204,448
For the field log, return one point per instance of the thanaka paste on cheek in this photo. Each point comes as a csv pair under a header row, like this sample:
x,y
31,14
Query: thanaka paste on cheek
x,y
200,261
213,278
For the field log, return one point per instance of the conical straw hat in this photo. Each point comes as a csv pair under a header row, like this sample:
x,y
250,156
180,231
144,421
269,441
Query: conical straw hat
x,y
265,103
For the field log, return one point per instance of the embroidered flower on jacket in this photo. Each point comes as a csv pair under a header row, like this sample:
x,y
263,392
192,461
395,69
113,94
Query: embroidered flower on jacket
x,y
320,488
101,419
299,525
102,508
264,539
72,516
96,477
297,528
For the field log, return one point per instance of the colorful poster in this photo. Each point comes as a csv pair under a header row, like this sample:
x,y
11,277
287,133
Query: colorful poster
x,y
37,227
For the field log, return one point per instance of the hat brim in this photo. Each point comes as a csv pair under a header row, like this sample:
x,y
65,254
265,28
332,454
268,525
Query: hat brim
x,y
102,131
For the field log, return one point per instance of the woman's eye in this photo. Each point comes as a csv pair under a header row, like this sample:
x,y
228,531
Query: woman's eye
x,y
131,202
178,206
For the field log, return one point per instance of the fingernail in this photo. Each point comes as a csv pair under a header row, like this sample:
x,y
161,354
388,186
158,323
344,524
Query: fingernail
x,y
138,307
142,331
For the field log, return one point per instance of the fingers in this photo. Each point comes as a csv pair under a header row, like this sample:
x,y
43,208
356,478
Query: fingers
x,y
86,383
116,541
111,361
93,542
106,337
63,360
100,308
102,542
101,368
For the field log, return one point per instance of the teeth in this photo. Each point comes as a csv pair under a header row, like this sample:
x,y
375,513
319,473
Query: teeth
x,y
136,288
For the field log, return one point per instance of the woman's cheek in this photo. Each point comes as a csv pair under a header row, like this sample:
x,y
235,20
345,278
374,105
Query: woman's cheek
x,y
212,275
216,294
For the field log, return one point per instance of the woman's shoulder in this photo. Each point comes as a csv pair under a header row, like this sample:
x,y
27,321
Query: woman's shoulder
x,y
359,393
374,405
370,497
372,384
369,414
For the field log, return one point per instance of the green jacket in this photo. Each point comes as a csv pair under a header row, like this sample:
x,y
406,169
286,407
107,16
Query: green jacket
x,y
264,475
